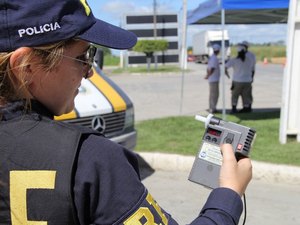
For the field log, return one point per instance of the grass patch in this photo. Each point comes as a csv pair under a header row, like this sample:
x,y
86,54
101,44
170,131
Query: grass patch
x,y
182,135
263,51
111,60
144,69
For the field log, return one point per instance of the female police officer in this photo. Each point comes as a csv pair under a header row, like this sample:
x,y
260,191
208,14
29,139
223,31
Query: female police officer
x,y
54,173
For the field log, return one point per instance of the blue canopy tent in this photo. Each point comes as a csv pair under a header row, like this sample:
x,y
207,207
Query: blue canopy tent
x,y
238,12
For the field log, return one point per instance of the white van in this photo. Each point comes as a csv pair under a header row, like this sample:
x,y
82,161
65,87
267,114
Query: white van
x,y
103,106
203,42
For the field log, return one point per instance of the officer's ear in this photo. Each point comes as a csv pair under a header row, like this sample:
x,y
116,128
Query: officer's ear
x,y
21,65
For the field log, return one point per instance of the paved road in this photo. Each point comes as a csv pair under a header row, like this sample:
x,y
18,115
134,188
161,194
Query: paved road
x,y
267,203
154,96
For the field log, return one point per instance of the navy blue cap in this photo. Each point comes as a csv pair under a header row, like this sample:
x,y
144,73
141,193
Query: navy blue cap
x,y
38,22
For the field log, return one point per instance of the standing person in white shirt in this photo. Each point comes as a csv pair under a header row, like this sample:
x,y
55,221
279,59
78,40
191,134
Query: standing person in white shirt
x,y
252,56
213,77
241,79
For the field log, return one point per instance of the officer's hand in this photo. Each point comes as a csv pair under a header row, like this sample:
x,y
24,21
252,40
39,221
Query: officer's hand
x,y
234,175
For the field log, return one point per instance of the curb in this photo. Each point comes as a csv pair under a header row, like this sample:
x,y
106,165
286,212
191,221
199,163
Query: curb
x,y
261,171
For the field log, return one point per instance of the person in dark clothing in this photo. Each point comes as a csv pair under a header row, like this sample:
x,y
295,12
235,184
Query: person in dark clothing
x,y
62,174
241,80
252,56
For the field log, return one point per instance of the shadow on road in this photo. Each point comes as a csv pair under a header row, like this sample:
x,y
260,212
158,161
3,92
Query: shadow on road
x,y
145,169
257,114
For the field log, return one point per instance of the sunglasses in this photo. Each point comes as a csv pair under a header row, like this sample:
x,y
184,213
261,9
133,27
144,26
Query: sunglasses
x,y
86,59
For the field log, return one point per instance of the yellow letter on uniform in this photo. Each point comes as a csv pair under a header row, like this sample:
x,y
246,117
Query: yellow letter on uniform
x,y
152,202
20,181
135,219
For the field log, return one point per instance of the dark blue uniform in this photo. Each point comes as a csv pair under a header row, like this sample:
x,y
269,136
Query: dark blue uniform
x,y
106,187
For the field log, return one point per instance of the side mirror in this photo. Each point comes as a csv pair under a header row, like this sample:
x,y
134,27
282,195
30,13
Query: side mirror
x,y
99,58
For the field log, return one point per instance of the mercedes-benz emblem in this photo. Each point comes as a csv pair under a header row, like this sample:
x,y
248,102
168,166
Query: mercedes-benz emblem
x,y
98,124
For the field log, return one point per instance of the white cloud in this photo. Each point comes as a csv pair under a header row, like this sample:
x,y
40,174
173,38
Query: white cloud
x,y
117,8
258,33
239,33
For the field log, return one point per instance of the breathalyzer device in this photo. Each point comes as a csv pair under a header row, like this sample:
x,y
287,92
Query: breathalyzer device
x,y
208,161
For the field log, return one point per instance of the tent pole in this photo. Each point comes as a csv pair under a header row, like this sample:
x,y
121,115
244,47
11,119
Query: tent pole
x,y
223,66
183,51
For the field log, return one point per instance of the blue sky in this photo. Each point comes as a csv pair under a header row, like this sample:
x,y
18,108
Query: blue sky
x,y
113,11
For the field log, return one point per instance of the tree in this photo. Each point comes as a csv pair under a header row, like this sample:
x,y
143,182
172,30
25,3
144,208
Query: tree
x,y
149,47
106,51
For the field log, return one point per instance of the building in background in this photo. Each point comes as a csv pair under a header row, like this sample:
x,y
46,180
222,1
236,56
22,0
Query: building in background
x,y
146,27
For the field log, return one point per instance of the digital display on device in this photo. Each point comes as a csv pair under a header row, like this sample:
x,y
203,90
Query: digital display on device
x,y
214,132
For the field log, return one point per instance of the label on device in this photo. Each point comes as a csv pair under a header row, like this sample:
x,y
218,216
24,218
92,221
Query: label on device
x,y
211,153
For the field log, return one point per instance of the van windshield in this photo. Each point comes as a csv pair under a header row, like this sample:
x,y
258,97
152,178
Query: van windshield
x,y
211,43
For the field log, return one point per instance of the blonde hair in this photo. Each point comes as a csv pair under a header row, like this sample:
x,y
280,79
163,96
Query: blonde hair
x,y
12,89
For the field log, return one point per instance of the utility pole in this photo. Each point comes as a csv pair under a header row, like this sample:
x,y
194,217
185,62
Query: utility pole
x,y
184,33
183,53
155,28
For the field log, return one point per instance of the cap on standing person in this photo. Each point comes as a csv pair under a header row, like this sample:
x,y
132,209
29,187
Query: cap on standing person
x,y
216,47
